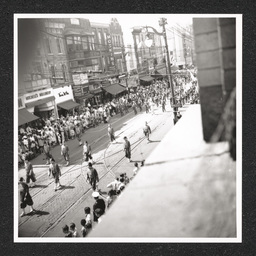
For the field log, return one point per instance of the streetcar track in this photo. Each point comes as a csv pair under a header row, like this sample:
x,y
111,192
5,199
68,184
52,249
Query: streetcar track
x,y
108,171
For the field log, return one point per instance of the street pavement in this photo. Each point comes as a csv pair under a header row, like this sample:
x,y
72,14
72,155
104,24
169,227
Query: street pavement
x,y
55,209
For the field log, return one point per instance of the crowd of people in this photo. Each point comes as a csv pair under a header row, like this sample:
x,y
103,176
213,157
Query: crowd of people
x,y
101,203
47,133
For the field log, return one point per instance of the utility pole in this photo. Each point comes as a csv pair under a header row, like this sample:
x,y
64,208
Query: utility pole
x,y
162,23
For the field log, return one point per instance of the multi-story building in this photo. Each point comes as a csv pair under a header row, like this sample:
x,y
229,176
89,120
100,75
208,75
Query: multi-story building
x,y
148,56
181,45
118,45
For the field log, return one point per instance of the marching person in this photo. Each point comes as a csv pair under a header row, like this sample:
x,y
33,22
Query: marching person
x,y
146,130
46,149
30,175
99,204
92,176
127,149
111,133
54,170
78,134
25,197
87,152
65,152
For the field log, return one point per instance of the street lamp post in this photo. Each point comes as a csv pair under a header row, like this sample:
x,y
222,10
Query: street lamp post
x,y
162,23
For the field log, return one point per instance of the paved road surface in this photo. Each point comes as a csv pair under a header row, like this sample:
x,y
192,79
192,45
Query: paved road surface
x,y
55,209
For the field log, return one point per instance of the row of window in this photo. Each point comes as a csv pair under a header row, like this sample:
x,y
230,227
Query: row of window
x,y
76,43
49,44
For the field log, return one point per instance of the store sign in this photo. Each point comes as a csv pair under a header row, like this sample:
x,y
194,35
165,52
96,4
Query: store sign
x,y
112,65
63,94
80,79
33,96
77,90
21,102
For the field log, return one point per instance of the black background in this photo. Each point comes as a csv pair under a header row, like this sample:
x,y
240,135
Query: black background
x,y
8,8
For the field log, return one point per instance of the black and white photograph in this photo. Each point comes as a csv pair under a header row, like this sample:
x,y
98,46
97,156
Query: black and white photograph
x,y
127,128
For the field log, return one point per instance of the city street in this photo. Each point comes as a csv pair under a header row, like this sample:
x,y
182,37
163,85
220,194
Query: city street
x,y
55,209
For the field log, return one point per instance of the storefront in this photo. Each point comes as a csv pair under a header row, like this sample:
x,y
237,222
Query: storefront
x,y
146,80
95,88
64,100
113,90
23,115
41,103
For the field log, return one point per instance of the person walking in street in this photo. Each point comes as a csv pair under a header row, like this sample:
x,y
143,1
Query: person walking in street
x,y
25,197
54,170
146,130
111,133
92,176
99,204
78,134
163,105
87,152
47,152
134,107
65,152
30,175
127,149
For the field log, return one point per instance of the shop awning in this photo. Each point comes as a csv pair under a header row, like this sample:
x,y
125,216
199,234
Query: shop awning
x,y
69,104
25,117
88,96
146,78
114,89
39,102
157,75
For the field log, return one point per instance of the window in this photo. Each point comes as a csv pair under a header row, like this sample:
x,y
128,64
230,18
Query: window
x,y
80,62
100,38
64,70
85,43
92,43
48,45
69,40
77,42
94,61
58,41
105,37
74,21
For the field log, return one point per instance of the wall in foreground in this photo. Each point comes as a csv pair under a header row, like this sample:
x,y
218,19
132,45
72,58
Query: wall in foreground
x,y
187,188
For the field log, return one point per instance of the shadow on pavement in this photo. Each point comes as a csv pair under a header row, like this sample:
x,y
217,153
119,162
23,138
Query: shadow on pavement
x,y
38,213
154,141
66,187
40,186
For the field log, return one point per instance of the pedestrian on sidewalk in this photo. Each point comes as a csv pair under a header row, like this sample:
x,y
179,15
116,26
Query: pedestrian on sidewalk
x,y
87,152
54,170
30,175
114,185
111,133
47,152
146,130
73,230
92,176
66,231
99,204
25,197
87,211
111,197
136,169
65,152
83,229
127,149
